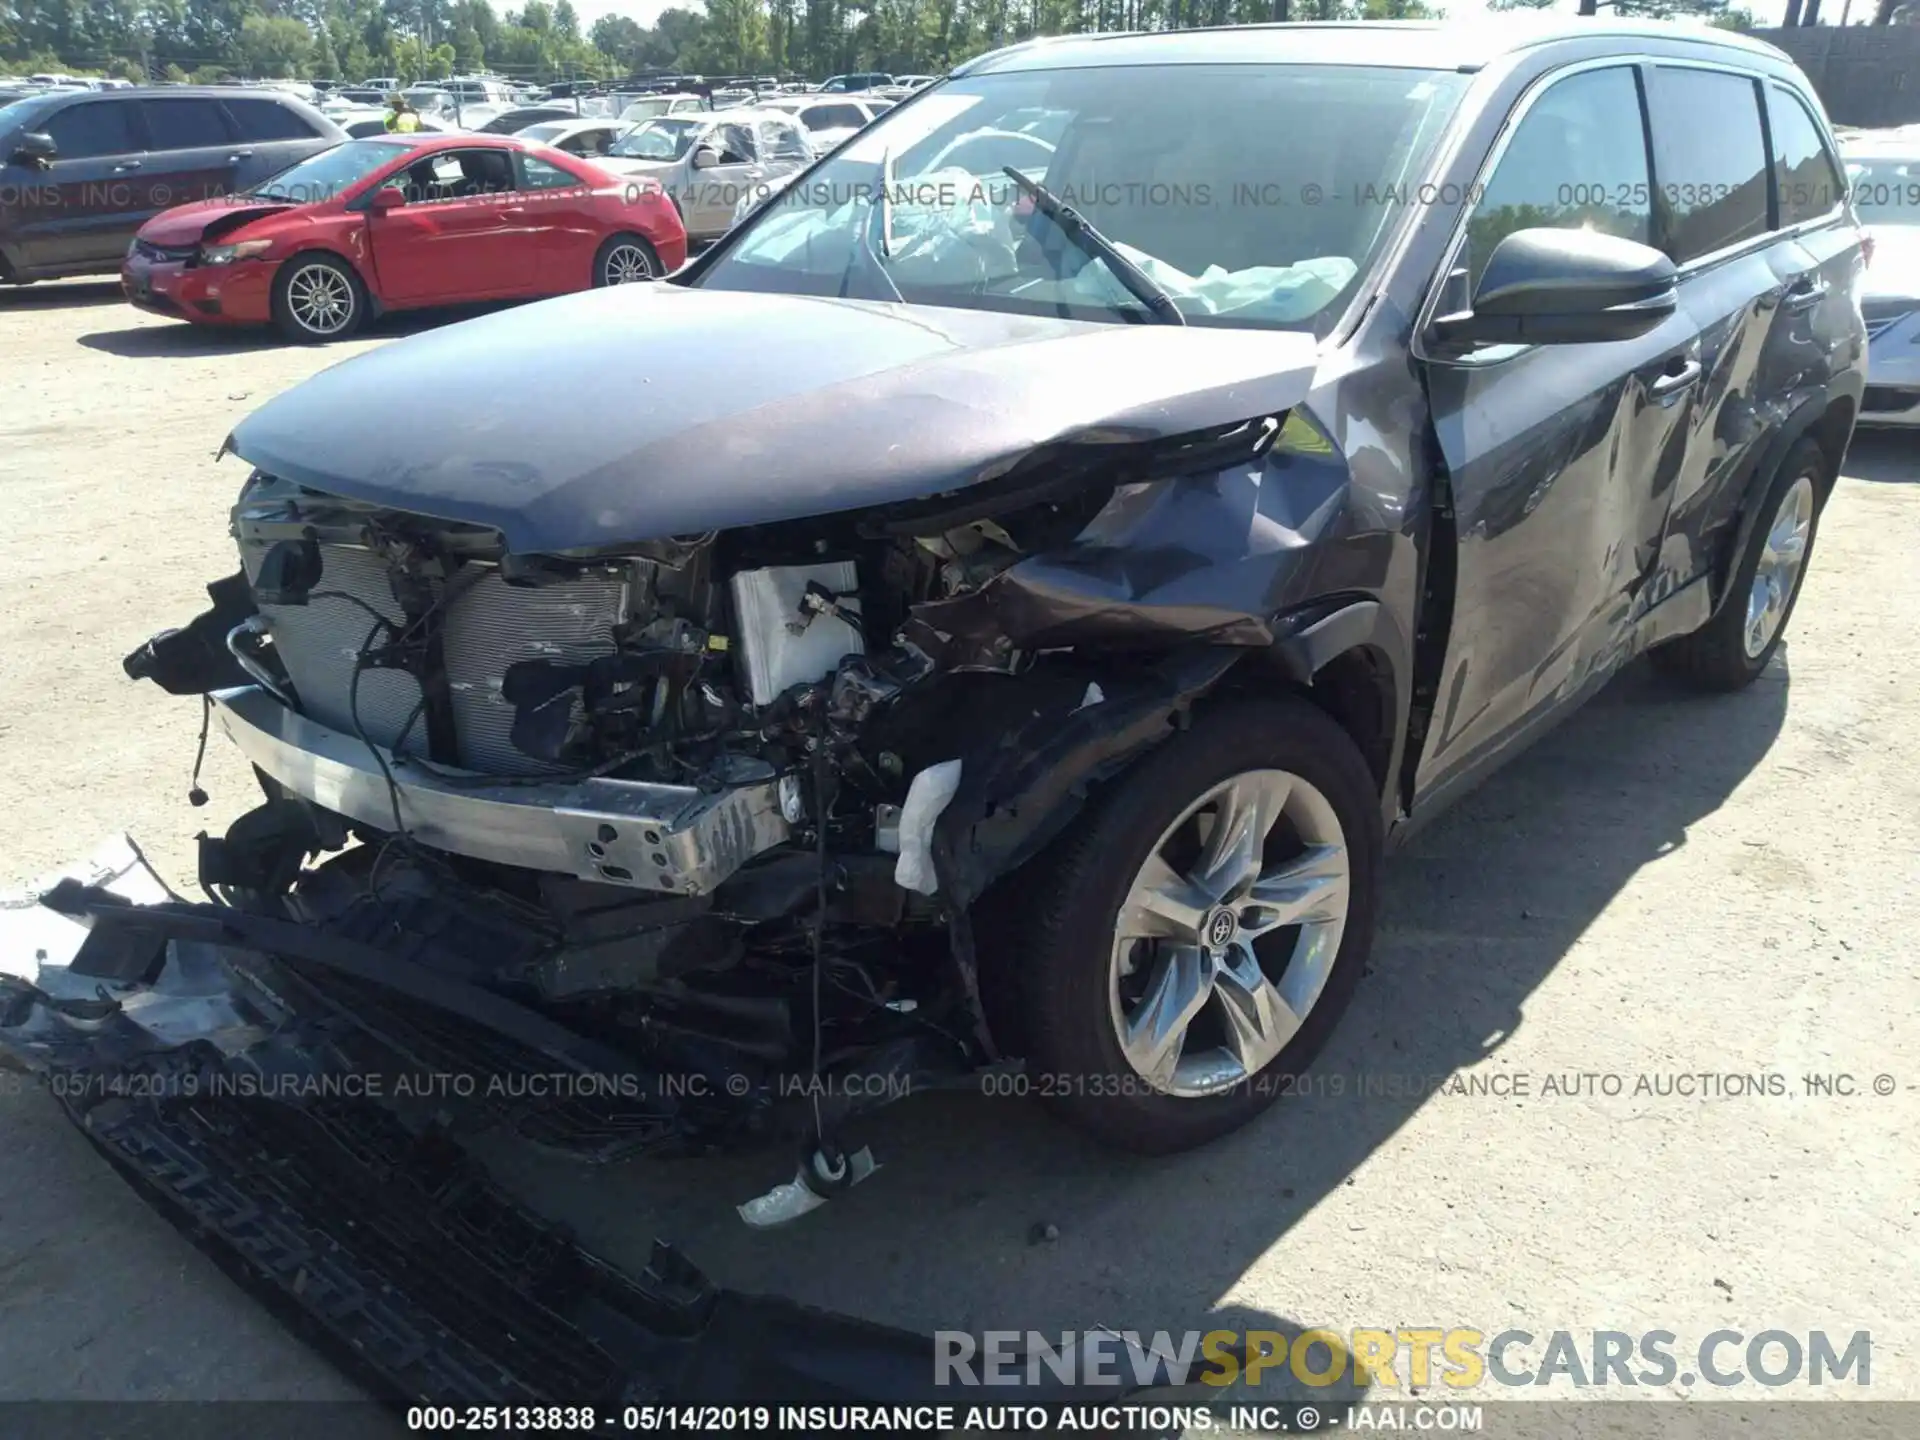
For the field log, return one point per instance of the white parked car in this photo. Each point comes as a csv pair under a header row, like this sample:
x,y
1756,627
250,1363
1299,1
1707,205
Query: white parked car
x,y
371,122
590,139
430,100
827,119
1883,179
651,107
708,163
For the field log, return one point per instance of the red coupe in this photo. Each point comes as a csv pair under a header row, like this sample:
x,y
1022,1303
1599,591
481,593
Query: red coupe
x,y
397,223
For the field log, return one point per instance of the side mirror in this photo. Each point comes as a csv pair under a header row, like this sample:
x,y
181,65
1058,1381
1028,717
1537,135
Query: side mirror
x,y
387,197
1564,287
705,158
34,149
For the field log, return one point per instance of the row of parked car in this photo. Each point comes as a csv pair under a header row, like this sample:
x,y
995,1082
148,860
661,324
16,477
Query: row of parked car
x,y
541,199
225,205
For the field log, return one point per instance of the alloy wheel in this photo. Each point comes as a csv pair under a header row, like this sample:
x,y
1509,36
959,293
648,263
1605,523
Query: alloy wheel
x,y
1229,932
627,265
320,299
1778,571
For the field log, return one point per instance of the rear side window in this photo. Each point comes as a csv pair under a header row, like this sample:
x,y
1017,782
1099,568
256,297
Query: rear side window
x,y
780,140
185,124
265,120
734,142
835,117
1577,161
92,128
1709,161
1805,176
538,174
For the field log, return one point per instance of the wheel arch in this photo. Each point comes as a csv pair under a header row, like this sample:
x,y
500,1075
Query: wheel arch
x,y
607,242
1342,661
312,248
1338,655
368,290
1828,419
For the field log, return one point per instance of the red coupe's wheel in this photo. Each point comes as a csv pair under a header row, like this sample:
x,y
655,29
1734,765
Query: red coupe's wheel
x,y
317,297
626,260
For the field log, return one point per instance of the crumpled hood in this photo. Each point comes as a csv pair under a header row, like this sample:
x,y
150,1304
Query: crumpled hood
x,y
185,224
654,410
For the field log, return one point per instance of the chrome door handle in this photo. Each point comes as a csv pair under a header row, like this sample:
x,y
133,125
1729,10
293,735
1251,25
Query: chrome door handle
x,y
125,165
1806,295
1671,384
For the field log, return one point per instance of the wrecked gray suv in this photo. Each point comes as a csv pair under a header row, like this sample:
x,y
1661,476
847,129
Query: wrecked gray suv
x,y
999,603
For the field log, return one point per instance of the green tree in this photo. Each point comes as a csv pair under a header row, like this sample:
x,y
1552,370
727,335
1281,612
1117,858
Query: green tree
x,y
274,47
325,64
469,54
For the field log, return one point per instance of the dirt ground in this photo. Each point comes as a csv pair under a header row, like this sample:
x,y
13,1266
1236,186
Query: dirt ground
x,y
1665,887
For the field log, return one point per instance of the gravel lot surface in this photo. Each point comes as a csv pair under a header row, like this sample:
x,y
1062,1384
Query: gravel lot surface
x,y
1666,886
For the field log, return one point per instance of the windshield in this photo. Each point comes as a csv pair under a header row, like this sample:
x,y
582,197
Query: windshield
x,y
1884,192
646,109
550,130
1251,194
663,139
330,173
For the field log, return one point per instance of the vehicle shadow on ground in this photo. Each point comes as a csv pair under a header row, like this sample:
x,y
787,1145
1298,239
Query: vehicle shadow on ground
x,y
165,341
60,294
1480,908
1887,457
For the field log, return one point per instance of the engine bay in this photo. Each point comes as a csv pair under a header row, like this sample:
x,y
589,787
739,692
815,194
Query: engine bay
x,y
724,805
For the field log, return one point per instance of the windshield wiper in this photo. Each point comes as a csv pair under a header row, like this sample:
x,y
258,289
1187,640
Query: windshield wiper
x,y
886,204
1091,242
863,249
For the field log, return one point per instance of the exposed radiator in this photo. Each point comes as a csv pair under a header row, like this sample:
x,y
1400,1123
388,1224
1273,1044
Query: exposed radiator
x,y
489,626
495,625
321,641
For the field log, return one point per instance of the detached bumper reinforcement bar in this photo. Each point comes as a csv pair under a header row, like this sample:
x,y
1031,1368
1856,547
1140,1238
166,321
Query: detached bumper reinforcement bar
x,y
674,839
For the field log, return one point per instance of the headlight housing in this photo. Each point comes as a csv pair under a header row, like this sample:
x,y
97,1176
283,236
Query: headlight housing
x,y
227,254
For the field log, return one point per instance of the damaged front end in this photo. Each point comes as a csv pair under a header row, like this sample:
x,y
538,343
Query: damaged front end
x,y
720,804
652,846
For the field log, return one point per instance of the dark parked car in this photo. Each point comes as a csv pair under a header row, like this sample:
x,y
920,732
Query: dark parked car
x,y
938,626
512,122
81,171
859,80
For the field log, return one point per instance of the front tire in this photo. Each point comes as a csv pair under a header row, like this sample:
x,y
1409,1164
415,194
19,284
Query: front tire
x,y
1203,928
316,298
1730,650
626,260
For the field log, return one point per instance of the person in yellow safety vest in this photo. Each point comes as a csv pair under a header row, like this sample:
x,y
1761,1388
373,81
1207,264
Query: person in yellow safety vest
x,y
402,118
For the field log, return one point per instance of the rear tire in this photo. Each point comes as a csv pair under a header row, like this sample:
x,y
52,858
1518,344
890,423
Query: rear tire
x,y
626,260
318,297
1095,1002
1731,650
